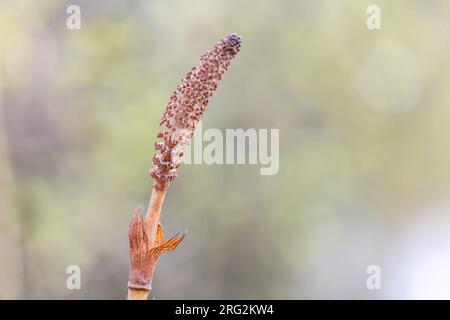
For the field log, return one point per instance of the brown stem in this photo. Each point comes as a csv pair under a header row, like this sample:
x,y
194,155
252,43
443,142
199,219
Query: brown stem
x,y
147,244
154,212
134,294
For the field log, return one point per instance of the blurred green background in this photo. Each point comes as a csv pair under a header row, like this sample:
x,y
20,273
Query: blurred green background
x,y
364,148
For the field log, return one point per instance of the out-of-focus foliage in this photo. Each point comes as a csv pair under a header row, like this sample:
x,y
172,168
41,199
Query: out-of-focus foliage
x,y
364,146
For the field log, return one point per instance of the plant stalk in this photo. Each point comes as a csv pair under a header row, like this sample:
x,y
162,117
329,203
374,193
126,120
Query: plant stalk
x,y
150,226
154,212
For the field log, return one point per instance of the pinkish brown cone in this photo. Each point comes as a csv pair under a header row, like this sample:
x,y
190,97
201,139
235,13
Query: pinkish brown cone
x,y
186,107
